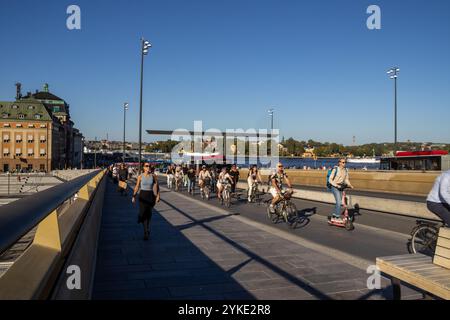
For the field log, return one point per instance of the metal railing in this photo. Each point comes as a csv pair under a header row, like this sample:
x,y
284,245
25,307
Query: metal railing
x,y
31,276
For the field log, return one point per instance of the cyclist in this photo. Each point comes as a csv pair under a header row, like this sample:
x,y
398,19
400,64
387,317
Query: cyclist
x,y
338,180
170,173
223,179
276,188
234,174
185,177
438,200
253,177
178,176
191,179
203,177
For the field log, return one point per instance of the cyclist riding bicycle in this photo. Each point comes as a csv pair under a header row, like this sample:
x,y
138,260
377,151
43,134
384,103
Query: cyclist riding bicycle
x,y
170,175
253,177
223,179
276,189
438,200
178,176
203,178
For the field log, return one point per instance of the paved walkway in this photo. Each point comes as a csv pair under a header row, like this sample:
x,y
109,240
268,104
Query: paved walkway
x,y
196,252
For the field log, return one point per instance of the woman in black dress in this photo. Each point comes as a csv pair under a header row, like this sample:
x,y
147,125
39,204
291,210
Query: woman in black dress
x,y
148,188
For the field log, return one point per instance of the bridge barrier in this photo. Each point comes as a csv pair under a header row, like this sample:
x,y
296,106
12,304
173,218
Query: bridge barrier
x,y
35,272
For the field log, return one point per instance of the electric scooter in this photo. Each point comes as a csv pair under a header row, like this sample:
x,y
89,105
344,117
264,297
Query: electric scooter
x,y
347,220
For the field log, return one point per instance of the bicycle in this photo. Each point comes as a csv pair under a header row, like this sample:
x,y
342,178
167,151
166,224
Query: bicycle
x,y
285,209
226,195
205,191
178,183
254,196
424,237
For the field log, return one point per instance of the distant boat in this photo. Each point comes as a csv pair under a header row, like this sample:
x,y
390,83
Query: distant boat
x,y
363,160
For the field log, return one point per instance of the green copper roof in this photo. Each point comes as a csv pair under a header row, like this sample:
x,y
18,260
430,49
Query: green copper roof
x,y
24,110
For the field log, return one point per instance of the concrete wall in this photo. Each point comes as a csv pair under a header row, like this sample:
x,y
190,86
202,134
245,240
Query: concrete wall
x,y
400,182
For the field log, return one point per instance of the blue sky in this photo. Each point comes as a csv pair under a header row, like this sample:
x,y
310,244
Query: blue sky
x,y
227,62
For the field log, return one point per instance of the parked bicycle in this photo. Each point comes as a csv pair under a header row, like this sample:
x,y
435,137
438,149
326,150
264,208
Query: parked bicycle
x,y
283,210
424,237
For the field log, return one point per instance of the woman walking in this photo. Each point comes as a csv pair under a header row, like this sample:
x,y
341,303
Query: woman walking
x,y
148,188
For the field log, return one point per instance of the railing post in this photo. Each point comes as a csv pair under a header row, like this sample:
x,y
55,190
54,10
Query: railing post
x,y
47,233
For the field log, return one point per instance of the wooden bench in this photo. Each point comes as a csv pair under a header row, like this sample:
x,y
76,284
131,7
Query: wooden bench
x,y
430,274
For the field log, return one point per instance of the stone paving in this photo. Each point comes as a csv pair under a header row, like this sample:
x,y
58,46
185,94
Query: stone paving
x,y
197,253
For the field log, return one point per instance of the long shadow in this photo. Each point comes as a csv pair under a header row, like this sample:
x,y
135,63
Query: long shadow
x,y
311,290
168,266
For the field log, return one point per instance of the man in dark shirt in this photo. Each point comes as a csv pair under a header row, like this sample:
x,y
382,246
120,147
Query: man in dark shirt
x,y
191,179
123,177
234,173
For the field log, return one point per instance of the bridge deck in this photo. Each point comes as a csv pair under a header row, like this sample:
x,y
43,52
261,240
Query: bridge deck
x,y
200,252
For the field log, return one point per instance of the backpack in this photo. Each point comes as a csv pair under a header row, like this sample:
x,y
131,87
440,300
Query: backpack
x,y
328,176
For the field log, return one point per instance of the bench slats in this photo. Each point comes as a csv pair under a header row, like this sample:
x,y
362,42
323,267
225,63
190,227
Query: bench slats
x,y
437,284
444,233
441,261
442,242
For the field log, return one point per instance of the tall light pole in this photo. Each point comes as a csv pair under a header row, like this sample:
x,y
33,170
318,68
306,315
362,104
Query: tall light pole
x,y
125,108
95,153
393,74
145,46
271,111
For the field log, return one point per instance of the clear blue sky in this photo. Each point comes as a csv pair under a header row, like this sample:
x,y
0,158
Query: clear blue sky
x,y
226,62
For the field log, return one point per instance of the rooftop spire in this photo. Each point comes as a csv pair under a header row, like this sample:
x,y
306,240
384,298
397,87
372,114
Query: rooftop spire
x,y
45,87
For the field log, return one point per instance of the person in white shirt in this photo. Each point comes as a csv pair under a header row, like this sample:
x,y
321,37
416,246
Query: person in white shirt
x,y
438,200
223,179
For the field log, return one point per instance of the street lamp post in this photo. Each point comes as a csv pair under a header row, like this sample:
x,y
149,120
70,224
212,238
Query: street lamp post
x,y
393,74
125,108
145,45
95,153
271,111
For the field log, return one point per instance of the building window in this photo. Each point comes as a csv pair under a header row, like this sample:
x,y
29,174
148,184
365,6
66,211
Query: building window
x,y
18,125
15,106
18,152
6,125
31,126
21,116
5,115
30,107
37,116
30,167
42,167
18,138
42,139
6,152
56,109
30,138
43,126
6,138
42,152
30,152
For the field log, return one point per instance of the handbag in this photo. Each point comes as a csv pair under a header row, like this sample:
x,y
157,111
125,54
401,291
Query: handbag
x,y
122,184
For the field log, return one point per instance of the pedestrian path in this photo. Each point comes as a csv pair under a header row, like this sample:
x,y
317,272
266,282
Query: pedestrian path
x,y
195,252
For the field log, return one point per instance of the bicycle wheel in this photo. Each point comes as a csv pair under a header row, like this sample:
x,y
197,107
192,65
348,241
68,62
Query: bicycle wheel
x,y
291,210
273,216
227,198
423,240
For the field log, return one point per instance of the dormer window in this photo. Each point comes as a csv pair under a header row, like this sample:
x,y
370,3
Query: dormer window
x,y
21,116
30,107
37,116
15,106
5,115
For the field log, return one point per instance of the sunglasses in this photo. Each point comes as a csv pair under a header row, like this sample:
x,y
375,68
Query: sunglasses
x,y
342,161
146,166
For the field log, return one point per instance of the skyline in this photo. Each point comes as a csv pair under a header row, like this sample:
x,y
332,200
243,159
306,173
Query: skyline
x,y
316,64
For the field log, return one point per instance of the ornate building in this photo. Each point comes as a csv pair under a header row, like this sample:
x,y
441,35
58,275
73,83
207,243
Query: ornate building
x,y
37,133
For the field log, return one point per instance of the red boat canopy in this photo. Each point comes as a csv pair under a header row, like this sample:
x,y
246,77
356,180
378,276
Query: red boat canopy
x,y
421,153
